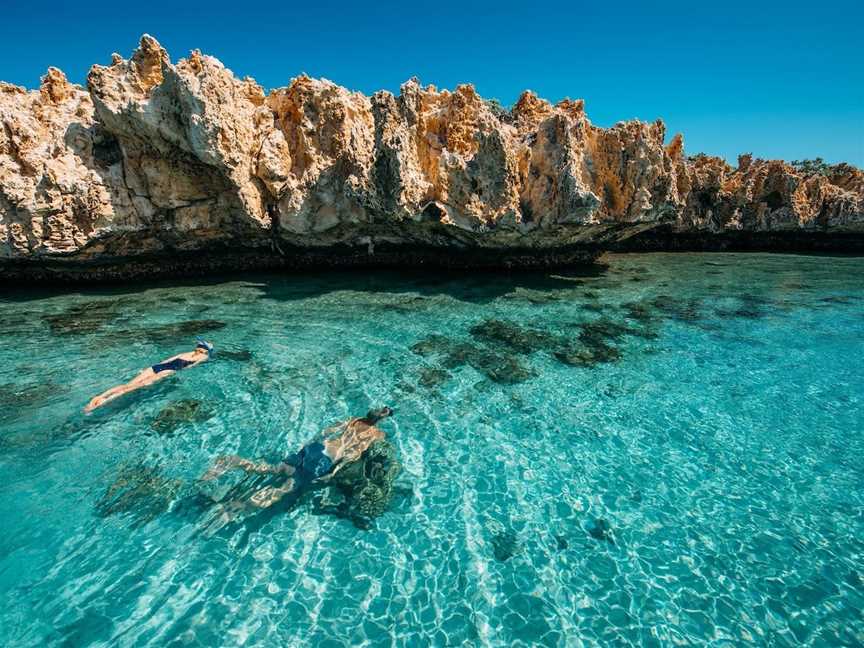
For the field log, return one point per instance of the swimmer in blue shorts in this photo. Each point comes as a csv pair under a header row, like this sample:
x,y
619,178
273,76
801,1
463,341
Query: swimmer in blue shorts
x,y
315,462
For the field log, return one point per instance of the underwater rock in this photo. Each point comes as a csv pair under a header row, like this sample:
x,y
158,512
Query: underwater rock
x,y
536,297
368,483
684,310
639,311
588,356
499,368
595,307
496,366
432,377
505,545
84,318
839,299
740,313
432,345
602,330
171,332
15,398
238,355
519,338
139,490
600,529
594,342
752,307
180,412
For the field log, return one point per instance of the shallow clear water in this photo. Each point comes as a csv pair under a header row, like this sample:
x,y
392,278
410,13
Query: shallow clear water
x,y
669,451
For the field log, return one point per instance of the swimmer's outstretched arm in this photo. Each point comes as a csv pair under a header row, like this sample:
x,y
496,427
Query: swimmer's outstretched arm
x,y
225,463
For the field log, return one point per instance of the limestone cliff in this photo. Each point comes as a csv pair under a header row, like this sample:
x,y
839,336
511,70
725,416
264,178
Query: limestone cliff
x,y
159,163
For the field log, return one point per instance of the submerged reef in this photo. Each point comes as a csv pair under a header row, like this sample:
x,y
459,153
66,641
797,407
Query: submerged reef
x,y
181,412
81,319
368,485
498,348
161,168
140,491
497,366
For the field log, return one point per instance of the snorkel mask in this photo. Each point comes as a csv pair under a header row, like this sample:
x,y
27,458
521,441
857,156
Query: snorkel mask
x,y
375,415
204,344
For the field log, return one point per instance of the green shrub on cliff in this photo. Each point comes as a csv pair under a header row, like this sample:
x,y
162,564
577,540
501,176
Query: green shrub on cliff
x,y
502,113
817,166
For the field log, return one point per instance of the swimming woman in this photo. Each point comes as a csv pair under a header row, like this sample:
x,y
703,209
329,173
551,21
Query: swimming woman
x,y
154,374
315,462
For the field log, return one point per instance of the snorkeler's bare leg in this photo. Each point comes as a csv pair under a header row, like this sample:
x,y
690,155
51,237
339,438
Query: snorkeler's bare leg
x,y
269,495
148,377
143,379
228,462
107,396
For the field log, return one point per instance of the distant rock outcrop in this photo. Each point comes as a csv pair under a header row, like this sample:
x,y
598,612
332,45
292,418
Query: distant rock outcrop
x,y
159,167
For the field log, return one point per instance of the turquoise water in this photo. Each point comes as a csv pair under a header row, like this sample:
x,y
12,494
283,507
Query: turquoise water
x,y
668,451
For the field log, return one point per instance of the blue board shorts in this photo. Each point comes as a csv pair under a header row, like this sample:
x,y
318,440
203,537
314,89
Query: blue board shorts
x,y
310,463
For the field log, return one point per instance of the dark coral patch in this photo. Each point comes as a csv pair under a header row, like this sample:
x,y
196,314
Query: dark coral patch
x,y
367,486
520,339
505,545
685,310
600,529
588,356
432,377
238,355
180,413
139,490
82,319
180,330
496,366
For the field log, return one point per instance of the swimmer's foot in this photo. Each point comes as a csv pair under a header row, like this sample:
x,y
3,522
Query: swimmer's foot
x,y
93,404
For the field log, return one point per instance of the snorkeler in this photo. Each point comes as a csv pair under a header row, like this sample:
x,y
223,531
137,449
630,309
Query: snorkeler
x,y
315,462
154,374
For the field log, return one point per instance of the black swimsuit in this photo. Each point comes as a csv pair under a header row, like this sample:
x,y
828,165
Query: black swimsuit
x,y
172,365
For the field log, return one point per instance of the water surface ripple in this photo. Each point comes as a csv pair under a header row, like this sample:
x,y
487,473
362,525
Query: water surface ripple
x,y
665,452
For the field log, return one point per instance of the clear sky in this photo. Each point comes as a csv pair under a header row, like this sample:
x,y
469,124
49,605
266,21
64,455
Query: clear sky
x,y
780,79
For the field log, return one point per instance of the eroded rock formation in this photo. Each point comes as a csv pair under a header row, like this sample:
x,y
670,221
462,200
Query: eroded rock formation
x,y
157,161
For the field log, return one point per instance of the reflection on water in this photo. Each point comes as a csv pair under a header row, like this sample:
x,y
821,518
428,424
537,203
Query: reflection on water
x,y
665,450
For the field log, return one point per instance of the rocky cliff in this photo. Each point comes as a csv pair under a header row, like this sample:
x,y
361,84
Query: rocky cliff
x,y
158,167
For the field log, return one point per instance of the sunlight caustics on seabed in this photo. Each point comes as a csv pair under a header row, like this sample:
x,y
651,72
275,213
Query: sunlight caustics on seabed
x,y
667,450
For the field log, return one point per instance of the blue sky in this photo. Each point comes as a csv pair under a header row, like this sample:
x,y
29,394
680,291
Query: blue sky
x,y
780,79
